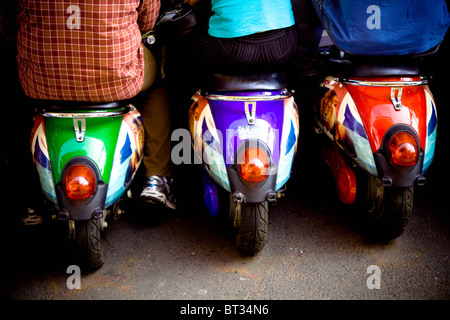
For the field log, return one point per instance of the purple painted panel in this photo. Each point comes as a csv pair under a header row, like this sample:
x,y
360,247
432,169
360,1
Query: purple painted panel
x,y
231,121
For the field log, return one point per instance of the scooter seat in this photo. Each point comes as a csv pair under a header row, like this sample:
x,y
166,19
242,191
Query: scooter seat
x,y
247,81
377,66
55,105
386,67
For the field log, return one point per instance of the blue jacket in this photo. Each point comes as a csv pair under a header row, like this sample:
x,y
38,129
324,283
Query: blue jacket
x,y
384,27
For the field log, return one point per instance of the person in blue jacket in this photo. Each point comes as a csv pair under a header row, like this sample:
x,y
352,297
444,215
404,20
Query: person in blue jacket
x,y
384,28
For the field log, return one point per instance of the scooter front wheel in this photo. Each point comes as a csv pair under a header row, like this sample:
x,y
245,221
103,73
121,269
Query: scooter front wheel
x,y
88,244
252,227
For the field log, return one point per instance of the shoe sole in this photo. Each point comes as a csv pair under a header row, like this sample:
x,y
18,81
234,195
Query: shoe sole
x,y
31,221
162,200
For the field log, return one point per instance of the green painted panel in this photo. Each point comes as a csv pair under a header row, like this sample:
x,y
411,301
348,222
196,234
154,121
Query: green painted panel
x,y
99,143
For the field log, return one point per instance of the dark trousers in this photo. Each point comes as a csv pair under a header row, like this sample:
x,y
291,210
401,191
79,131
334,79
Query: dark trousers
x,y
309,28
271,49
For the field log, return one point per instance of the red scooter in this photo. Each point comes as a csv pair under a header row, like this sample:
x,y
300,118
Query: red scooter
x,y
379,123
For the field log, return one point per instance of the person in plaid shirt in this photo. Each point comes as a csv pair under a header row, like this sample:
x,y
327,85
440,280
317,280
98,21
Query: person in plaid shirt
x,y
91,50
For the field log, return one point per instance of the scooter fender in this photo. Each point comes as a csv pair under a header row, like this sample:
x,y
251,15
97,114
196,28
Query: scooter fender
x,y
128,156
221,123
207,141
41,158
360,118
111,146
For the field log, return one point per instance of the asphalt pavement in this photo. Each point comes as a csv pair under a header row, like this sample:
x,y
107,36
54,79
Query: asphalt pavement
x,y
315,250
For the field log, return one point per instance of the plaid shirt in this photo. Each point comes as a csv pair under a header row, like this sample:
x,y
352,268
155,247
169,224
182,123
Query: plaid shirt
x,y
83,50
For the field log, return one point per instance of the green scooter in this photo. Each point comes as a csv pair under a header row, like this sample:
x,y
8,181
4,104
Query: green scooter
x,y
86,156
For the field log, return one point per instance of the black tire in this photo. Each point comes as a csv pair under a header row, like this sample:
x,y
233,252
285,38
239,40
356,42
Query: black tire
x,y
88,244
388,210
252,230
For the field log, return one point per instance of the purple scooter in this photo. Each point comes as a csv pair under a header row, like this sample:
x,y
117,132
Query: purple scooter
x,y
244,128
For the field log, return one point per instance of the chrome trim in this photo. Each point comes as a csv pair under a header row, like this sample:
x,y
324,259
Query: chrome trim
x,y
423,81
251,115
79,126
212,96
94,114
396,97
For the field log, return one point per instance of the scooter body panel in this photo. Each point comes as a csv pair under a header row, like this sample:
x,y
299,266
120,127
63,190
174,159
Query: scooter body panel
x,y
338,117
128,155
112,145
376,110
222,122
41,158
99,143
361,115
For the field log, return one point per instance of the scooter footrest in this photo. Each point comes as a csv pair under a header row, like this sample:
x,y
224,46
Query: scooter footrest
x,y
31,220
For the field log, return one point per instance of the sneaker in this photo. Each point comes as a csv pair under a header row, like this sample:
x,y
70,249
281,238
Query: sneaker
x,y
157,191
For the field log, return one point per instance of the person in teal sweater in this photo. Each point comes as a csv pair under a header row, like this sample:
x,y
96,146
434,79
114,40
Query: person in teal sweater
x,y
257,34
